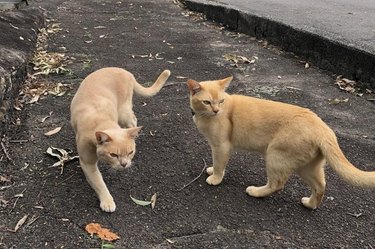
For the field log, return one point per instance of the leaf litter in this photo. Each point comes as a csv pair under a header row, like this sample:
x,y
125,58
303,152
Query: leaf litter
x,y
44,63
239,59
34,89
19,224
337,101
102,233
53,132
151,202
351,86
62,155
346,84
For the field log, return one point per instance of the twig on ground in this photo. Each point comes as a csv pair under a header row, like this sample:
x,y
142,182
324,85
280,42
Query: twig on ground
x,y
196,178
19,141
40,192
5,151
66,179
17,198
32,220
5,187
357,215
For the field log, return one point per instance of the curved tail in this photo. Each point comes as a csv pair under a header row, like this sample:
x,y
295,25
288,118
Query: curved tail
x,y
337,160
155,88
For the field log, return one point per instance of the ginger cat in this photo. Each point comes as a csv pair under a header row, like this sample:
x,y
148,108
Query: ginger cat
x,y
292,139
105,124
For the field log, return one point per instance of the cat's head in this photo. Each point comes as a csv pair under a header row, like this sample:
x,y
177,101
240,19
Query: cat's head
x,y
208,97
117,146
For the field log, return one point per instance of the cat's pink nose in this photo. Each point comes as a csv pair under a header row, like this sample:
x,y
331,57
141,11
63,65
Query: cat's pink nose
x,y
215,111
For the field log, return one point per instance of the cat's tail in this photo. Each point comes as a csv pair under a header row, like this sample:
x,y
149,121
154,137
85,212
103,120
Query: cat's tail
x,y
339,163
155,88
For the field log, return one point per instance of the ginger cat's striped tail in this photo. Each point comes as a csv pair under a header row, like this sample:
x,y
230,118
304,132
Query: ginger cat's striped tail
x,y
339,163
155,88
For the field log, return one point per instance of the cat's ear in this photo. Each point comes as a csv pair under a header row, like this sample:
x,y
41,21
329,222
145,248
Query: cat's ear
x,y
224,83
133,132
194,86
102,137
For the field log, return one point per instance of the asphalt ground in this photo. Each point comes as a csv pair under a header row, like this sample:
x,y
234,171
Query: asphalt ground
x,y
145,38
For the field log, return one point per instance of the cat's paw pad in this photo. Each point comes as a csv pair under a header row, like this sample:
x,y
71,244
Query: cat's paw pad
x,y
210,170
252,191
214,180
108,206
306,201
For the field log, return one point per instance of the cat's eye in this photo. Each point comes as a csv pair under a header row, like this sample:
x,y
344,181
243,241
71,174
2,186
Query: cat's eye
x,y
221,101
131,152
206,102
113,155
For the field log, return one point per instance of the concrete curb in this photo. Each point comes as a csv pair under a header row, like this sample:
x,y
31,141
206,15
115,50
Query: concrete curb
x,y
326,54
19,31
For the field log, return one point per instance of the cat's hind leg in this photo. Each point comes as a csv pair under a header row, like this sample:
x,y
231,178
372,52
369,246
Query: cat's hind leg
x,y
279,168
127,118
313,175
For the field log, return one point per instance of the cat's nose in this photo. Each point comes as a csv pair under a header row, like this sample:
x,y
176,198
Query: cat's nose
x,y
215,111
125,163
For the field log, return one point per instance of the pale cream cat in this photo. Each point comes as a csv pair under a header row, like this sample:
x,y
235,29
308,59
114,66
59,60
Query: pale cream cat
x,y
105,125
292,139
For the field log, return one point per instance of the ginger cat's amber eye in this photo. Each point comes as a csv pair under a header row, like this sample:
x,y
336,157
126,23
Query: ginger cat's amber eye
x,y
206,102
221,101
113,155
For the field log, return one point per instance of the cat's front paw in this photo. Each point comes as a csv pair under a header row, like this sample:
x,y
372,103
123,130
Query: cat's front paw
x,y
214,180
308,203
108,205
210,170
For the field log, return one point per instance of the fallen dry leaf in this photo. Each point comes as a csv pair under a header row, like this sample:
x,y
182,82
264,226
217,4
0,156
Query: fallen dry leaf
x,y
20,223
238,59
62,155
337,101
170,241
140,202
92,228
45,118
52,132
3,202
34,99
4,179
153,201
103,233
346,84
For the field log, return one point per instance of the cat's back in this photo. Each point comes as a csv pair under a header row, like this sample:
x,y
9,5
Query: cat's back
x,y
106,76
258,106
105,83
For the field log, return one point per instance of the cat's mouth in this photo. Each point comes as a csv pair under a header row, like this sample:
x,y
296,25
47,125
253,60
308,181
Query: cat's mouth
x,y
120,167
